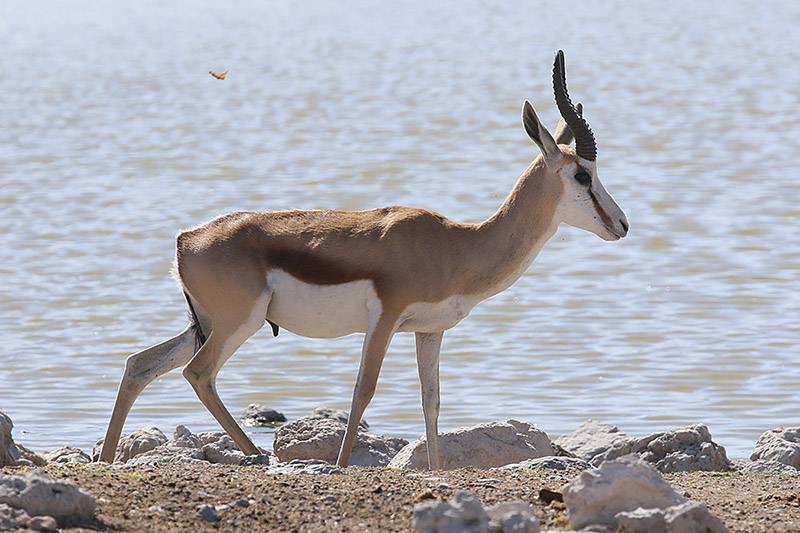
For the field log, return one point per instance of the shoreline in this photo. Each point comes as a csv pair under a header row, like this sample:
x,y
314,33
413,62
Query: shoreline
x,y
264,439
203,482
165,498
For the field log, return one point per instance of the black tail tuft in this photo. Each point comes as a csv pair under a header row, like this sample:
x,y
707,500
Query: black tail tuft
x,y
199,336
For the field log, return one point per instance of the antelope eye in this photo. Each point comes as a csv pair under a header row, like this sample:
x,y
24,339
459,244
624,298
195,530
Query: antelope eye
x,y
583,178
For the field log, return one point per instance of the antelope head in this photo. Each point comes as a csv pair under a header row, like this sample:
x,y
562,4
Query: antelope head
x,y
585,203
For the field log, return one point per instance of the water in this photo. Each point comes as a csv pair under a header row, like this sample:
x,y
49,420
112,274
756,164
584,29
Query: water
x,y
115,137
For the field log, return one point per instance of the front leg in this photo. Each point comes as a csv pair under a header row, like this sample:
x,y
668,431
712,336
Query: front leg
x,y
428,348
376,341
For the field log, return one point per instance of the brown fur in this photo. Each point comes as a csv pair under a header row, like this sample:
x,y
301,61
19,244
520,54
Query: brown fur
x,y
411,254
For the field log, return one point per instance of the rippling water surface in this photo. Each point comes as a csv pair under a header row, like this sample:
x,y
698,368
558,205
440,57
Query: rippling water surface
x,y
114,136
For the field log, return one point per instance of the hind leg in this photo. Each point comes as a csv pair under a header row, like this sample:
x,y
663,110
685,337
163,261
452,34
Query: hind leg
x,y
230,330
141,369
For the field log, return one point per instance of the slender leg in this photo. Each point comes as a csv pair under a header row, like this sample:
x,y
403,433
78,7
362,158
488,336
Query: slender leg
x,y
141,369
376,341
227,335
428,347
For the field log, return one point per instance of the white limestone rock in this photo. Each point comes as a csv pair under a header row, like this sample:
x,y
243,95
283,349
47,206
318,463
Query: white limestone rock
x,y
223,451
42,523
138,442
686,449
29,458
97,448
219,448
487,445
624,484
67,455
37,495
335,414
781,445
182,437
761,465
512,517
267,458
564,464
185,447
628,494
160,457
208,437
321,438
463,514
688,517
642,520
692,517
436,516
591,439
305,466
12,518
9,453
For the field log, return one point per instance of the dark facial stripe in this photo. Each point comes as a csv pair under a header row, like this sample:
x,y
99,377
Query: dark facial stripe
x,y
600,211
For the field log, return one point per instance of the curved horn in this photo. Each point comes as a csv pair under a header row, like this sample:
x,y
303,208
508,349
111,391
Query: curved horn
x,y
563,135
585,144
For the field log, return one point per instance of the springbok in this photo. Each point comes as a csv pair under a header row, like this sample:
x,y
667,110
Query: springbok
x,y
325,274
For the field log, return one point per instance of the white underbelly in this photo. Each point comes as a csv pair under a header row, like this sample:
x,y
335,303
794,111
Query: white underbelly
x,y
320,311
327,311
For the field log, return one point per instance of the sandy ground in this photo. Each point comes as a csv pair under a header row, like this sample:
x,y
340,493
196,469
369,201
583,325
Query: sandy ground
x,y
166,497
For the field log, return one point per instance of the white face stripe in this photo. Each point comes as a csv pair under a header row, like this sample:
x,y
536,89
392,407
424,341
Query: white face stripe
x,y
590,208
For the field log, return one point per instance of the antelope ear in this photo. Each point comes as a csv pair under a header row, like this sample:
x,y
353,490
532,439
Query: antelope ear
x,y
563,133
539,134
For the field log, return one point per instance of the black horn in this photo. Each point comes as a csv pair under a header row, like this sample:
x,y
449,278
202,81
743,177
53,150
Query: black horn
x,y
585,145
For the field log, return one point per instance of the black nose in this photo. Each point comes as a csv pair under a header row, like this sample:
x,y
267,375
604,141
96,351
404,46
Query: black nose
x,y
624,225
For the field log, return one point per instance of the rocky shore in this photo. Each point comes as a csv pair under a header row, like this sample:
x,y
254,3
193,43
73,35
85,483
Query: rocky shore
x,y
499,476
